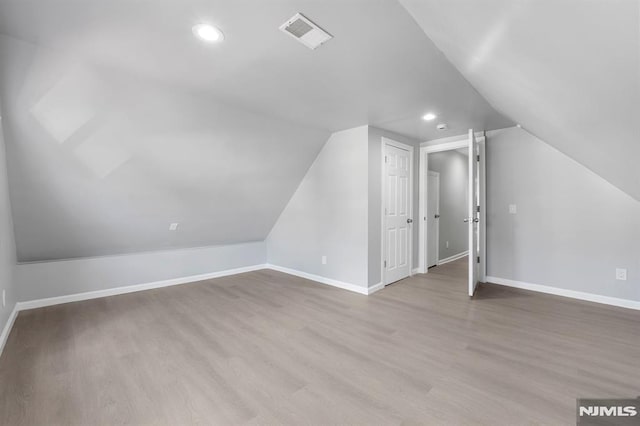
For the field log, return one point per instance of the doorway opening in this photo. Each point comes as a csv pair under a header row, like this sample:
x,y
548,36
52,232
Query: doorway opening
x,y
448,192
452,200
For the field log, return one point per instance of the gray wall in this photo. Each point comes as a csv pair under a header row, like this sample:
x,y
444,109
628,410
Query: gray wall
x,y
7,245
64,277
454,187
572,228
327,215
375,198
571,231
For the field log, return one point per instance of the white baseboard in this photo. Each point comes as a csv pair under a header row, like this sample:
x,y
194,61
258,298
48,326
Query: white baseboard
x,y
323,280
50,301
454,257
7,328
590,297
39,303
375,288
415,271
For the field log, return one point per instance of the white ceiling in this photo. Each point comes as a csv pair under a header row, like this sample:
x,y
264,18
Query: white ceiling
x,y
119,122
567,70
379,69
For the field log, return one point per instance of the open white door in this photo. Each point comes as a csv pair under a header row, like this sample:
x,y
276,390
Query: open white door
x,y
473,216
433,218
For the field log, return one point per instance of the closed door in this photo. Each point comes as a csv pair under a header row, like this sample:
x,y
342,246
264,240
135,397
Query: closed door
x,y
433,218
397,205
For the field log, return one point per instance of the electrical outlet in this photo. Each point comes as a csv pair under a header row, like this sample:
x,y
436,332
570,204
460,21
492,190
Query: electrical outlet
x,y
173,227
513,209
324,260
447,244
621,274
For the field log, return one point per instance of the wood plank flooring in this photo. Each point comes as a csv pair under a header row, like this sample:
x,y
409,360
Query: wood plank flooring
x,y
268,348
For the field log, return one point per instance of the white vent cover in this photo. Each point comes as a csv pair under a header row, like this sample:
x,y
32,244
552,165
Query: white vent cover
x,y
305,31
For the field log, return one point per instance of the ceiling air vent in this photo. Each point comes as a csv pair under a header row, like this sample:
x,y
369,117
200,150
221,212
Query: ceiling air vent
x,y
305,31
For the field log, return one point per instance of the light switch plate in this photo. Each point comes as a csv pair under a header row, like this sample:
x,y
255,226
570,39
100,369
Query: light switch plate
x,y
173,227
513,209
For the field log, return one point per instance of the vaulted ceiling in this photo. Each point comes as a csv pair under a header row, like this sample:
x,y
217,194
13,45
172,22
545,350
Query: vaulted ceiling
x,y
567,70
380,68
119,122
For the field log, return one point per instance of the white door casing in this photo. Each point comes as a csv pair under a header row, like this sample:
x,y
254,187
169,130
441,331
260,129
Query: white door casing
x,y
482,203
473,216
397,211
425,150
432,217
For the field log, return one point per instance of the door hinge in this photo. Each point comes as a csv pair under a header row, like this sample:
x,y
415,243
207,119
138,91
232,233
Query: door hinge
x,y
478,209
478,158
385,158
385,263
478,259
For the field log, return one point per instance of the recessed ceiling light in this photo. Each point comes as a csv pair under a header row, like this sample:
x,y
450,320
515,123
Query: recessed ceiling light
x,y
208,33
429,116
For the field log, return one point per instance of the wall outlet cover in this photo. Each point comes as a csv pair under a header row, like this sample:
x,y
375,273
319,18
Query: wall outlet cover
x,y
173,227
513,209
621,274
324,260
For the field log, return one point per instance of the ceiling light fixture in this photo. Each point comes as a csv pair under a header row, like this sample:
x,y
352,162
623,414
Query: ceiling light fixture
x,y
442,126
429,116
208,33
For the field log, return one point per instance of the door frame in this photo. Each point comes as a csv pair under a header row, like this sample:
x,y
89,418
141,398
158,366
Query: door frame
x,y
383,168
432,173
425,150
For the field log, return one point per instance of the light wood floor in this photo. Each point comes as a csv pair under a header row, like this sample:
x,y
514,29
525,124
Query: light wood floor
x,y
268,348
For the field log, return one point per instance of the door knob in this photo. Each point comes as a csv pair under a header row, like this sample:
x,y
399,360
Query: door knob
x,y
437,216
409,220
475,220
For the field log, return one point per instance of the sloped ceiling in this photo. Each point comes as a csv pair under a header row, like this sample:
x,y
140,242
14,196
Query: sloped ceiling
x,y
119,122
101,163
567,70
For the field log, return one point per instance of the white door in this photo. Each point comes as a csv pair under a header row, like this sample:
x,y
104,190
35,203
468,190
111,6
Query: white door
x,y
397,212
433,218
472,217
